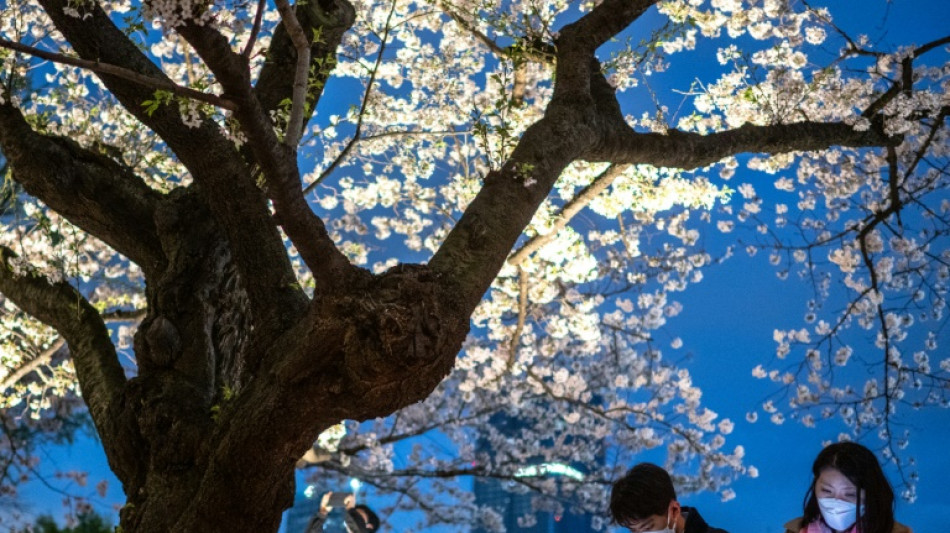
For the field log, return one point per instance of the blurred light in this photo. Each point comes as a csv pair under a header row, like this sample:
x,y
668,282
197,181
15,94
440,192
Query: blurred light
x,y
308,492
557,469
355,484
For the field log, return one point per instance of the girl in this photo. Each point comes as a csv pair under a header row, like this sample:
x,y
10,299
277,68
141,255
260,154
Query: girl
x,y
849,494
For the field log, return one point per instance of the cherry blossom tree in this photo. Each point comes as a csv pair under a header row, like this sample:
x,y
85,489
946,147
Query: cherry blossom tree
x,y
247,223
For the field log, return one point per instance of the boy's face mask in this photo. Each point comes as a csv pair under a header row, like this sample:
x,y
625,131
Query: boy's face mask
x,y
670,525
667,529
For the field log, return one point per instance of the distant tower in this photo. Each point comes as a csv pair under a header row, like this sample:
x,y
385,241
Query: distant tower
x,y
512,505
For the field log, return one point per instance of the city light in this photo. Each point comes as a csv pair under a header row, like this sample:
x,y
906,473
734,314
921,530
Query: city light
x,y
557,469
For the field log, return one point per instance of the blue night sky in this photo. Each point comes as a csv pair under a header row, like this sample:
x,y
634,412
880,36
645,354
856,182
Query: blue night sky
x,y
726,325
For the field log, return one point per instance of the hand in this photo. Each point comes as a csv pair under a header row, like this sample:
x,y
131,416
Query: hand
x,y
325,504
331,500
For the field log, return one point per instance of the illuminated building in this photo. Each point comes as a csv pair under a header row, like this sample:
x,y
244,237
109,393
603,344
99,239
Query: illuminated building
x,y
514,505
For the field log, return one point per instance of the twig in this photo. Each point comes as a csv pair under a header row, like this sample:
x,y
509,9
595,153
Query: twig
x,y
579,202
301,75
492,45
522,312
119,72
362,112
892,183
408,133
249,47
45,357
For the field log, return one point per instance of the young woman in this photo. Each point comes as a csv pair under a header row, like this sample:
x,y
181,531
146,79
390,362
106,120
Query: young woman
x,y
848,494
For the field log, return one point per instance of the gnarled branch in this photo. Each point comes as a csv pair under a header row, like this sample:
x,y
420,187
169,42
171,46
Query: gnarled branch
x,y
89,189
102,378
219,172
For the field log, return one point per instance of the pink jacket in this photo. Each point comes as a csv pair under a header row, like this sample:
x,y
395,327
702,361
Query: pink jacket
x,y
795,526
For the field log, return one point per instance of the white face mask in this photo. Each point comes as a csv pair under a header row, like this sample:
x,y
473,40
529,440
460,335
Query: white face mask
x,y
838,514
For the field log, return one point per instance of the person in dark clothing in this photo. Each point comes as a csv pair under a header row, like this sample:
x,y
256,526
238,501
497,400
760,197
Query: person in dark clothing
x,y
357,519
644,501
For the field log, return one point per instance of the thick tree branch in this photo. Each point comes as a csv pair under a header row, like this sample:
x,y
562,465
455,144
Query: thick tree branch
x,y
602,23
64,309
277,161
691,150
91,190
579,119
584,121
95,38
119,72
578,42
478,245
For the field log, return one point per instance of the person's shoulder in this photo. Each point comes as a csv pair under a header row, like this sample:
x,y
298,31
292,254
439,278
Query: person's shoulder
x,y
794,525
316,524
696,524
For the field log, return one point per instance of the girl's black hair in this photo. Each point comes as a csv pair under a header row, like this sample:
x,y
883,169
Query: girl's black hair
x,y
860,466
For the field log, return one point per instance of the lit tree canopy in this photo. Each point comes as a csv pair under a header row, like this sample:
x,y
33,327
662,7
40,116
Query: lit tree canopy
x,y
235,225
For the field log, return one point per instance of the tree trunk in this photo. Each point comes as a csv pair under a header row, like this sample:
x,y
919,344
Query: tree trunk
x,y
222,415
